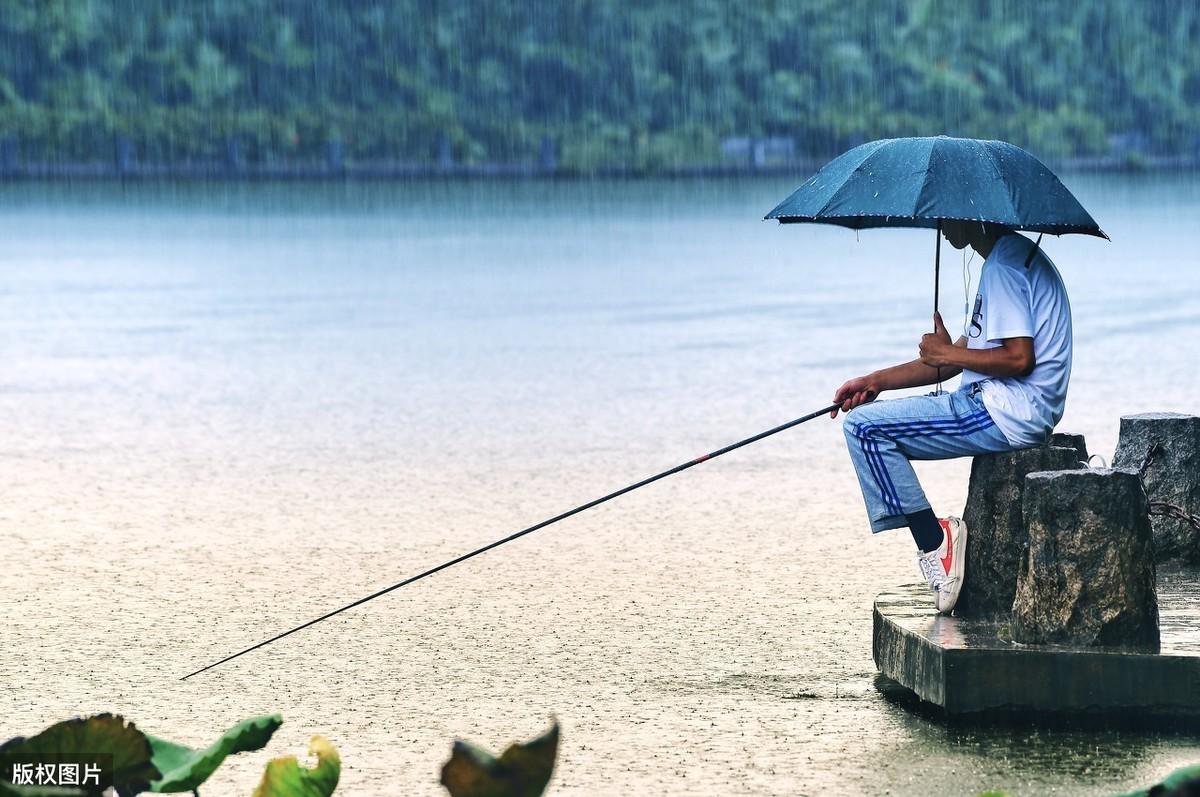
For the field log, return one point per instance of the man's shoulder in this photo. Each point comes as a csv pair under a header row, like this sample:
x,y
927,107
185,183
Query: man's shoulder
x,y
1010,250
1003,267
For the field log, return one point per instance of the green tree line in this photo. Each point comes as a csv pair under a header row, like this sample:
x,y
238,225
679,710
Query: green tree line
x,y
643,84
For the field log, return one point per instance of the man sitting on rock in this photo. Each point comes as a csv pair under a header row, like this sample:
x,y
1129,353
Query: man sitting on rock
x,y
1015,362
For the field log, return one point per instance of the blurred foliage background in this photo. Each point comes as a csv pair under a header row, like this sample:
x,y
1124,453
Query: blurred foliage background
x,y
646,86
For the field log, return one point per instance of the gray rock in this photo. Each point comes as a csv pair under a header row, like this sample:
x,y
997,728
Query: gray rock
x,y
996,538
1068,440
1173,475
1089,576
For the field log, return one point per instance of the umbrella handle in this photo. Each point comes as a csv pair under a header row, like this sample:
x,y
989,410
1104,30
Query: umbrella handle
x,y
937,265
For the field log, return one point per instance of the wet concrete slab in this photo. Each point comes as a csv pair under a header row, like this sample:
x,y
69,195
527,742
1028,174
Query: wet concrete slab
x,y
971,667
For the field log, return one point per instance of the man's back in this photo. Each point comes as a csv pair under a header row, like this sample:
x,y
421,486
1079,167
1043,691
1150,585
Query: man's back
x,y
1018,301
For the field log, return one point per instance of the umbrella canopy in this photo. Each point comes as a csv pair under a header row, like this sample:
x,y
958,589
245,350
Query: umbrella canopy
x,y
918,182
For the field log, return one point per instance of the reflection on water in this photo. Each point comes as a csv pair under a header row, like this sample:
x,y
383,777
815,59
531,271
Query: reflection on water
x,y
230,409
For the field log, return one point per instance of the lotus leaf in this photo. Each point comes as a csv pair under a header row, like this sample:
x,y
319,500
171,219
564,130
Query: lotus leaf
x,y
1178,782
286,778
523,770
184,769
132,767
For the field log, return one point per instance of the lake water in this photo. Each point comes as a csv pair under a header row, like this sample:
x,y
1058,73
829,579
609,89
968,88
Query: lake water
x,y
229,409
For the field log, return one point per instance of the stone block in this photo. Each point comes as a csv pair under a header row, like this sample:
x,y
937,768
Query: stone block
x,y
1068,440
1172,475
971,667
1088,578
996,538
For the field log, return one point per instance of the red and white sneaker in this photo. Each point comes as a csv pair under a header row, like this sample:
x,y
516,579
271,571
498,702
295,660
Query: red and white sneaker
x,y
943,567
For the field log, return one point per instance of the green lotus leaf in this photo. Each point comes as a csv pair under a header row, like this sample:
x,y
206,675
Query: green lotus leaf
x,y
523,770
184,769
133,769
286,778
1178,782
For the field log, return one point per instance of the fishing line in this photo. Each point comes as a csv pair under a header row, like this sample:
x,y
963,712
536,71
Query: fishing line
x,y
531,529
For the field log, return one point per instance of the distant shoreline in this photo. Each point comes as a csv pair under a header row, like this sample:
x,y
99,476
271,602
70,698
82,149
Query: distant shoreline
x,y
401,170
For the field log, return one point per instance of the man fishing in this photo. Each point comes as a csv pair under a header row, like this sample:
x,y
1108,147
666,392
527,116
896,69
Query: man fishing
x,y
1015,358
1015,362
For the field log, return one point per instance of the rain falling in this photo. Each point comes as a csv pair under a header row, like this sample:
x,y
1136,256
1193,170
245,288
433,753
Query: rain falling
x,y
381,375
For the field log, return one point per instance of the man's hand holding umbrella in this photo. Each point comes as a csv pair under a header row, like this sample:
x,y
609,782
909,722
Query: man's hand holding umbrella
x,y
932,351
936,345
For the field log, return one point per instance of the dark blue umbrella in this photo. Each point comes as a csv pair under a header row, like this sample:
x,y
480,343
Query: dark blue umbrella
x,y
921,182
918,182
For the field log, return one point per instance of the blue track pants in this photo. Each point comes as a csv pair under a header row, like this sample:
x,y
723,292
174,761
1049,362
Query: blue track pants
x,y
884,436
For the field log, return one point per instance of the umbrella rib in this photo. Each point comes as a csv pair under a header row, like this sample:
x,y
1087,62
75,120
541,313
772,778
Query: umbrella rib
x,y
1012,204
846,181
925,179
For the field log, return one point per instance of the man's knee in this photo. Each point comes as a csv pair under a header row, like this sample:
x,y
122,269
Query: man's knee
x,y
857,423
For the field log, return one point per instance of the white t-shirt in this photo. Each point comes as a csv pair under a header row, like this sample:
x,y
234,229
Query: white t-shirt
x,y
1018,302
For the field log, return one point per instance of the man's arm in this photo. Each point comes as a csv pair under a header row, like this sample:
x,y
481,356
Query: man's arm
x,y
939,359
1013,357
914,373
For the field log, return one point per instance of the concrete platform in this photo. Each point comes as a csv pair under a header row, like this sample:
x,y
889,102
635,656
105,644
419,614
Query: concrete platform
x,y
965,667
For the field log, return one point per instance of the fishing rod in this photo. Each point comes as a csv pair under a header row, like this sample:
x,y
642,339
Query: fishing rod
x,y
530,530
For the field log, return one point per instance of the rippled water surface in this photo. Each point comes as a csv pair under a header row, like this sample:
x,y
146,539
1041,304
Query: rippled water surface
x,y
227,410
